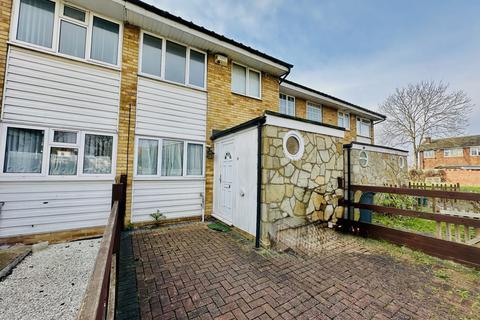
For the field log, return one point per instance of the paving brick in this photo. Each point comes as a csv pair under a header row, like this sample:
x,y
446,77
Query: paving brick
x,y
192,272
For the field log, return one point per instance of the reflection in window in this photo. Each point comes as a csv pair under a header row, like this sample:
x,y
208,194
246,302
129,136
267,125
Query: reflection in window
x,y
98,154
197,69
23,151
63,161
151,55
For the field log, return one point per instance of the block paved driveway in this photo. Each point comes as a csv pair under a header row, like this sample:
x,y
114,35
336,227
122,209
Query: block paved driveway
x,y
192,272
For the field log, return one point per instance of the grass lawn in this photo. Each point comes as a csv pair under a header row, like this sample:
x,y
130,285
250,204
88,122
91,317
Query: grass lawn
x,y
470,188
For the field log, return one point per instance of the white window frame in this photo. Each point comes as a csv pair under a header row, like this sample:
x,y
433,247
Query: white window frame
x,y
301,145
426,154
312,105
294,103
363,155
58,16
475,151
448,153
365,121
159,176
47,144
343,115
162,66
247,81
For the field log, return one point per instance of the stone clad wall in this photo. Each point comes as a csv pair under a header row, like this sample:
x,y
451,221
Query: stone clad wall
x,y
381,169
296,193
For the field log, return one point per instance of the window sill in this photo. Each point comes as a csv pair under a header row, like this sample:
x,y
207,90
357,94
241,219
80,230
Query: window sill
x,y
61,55
152,77
20,177
155,178
246,96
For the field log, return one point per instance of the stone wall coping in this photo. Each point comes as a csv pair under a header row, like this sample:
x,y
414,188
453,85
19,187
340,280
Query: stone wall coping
x,y
376,148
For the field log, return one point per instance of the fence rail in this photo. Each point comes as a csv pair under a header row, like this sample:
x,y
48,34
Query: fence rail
x,y
99,298
455,233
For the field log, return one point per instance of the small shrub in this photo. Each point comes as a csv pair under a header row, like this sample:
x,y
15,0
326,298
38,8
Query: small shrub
x,y
157,216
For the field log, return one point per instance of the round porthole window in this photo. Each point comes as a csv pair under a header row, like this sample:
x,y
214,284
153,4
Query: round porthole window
x,y
363,158
293,145
401,162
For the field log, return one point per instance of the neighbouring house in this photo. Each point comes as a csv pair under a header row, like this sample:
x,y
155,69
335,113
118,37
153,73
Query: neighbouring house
x,y
458,157
199,123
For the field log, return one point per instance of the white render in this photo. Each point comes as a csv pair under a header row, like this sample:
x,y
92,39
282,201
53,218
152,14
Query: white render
x,y
169,110
47,206
43,89
243,182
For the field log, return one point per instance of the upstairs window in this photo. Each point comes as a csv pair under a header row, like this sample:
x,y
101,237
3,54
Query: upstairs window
x,y
246,81
36,19
475,151
453,152
363,127
429,154
73,32
287,104
314,112
68,30
344,120
171,61
105,37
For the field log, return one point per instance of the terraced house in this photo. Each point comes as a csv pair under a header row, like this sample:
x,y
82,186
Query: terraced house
x,y
92,90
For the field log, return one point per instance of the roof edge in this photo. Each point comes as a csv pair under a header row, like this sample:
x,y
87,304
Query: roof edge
x,y
206,31
382,116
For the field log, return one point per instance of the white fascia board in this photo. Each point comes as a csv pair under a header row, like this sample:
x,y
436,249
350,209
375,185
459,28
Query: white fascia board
x,y
221,44
381,149
314,95
303,126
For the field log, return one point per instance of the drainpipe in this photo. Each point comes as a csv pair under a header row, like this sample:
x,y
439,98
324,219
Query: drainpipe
x,y
259,181
349,182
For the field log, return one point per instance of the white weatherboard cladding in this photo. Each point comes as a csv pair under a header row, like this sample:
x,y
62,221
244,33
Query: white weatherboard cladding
x,y
53,91
48,206
172,198
168,110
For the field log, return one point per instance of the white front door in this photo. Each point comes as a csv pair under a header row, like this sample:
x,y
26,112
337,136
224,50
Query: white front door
x,y
227,181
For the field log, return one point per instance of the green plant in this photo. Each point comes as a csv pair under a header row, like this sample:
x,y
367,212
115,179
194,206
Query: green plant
x,y
396,201
157,216
463,294
441,274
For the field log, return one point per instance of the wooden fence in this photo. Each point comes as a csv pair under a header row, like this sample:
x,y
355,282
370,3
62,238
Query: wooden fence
x,y
456,243
99,298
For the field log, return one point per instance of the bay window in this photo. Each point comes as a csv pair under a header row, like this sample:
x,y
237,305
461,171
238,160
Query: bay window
x,y
64,153
314,112
175,158
72,31
168,60
246,81
363,127
287,104
344,120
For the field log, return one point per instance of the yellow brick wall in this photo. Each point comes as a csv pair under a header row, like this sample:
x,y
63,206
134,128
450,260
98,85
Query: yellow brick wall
x,y
330,115
227,109
5,13
128,104
300,108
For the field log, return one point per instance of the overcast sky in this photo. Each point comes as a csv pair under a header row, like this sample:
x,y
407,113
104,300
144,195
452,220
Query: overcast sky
x,y
356,50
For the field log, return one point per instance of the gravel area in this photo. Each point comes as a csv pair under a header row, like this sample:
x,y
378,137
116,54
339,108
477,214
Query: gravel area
x,y
49,284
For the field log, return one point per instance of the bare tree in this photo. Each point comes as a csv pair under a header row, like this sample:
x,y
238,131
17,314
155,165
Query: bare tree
x,y
425,109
